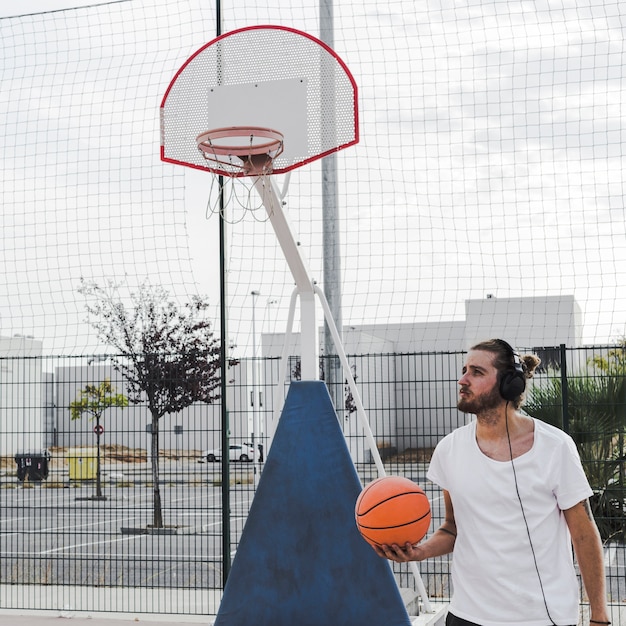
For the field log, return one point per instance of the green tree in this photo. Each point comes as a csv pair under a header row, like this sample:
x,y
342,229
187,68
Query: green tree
x,y
95,400
596,409
168,355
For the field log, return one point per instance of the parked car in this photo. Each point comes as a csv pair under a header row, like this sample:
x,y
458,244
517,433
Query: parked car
x,y
237,452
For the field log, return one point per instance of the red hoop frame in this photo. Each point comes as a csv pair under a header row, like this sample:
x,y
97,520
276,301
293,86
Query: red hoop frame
x,y
248,153
240,131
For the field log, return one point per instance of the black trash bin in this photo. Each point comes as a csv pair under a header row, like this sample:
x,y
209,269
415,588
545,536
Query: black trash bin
x,y
35,465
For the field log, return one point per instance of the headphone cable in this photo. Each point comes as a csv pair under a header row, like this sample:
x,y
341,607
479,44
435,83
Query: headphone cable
x,y
519,497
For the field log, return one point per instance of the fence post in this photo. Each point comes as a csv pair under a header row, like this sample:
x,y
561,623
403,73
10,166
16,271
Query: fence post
x,y
564,399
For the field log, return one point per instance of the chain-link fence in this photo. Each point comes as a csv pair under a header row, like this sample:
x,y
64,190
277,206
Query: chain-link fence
x,y
79,485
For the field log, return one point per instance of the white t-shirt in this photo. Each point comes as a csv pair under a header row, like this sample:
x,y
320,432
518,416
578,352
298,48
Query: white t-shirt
x,y
494,577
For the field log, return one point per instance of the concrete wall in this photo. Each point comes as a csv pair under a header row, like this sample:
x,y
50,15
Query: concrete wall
x,y
197,427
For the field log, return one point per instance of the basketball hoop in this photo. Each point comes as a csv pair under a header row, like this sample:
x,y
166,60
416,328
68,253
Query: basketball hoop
x,y
238,151
307,93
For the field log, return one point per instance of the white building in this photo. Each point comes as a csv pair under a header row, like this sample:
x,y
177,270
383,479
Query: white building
x,y
407,382
525,323
21,391
421,394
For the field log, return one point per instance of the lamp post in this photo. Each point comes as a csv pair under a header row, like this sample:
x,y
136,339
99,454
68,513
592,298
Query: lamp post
x,y
254,394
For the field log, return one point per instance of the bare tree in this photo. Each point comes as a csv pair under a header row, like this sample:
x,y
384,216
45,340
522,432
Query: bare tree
x,y
167,354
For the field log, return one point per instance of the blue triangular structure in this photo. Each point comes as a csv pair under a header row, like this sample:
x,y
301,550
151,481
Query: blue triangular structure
x,y
301,560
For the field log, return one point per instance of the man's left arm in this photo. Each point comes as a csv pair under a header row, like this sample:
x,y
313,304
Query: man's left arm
x,y
588,548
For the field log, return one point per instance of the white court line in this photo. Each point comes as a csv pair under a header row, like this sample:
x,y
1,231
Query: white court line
x,y
92,543
610,556
13,519
53,529
104,542
74,527
126,556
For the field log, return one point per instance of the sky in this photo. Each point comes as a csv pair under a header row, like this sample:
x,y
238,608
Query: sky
x,y
490,162
29,7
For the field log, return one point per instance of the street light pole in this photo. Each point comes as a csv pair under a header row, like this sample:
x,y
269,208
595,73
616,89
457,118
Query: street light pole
x,y
254,395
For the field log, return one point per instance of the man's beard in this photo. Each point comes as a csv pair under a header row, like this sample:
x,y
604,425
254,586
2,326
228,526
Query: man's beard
x,y
480,404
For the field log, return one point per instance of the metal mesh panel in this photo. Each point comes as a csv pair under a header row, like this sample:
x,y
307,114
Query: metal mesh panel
x,y
248,58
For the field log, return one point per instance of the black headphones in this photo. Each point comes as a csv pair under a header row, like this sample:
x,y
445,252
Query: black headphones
x,y
512,385
512,381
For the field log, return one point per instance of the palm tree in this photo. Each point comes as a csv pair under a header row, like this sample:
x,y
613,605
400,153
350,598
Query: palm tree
x,y
596,410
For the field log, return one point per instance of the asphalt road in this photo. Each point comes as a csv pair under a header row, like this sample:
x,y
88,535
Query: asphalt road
x,y
53,534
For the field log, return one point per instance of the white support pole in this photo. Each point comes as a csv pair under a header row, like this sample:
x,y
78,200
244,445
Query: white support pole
x,y
273,204
307,290
369,436
266,188
309,360
367,430
279,399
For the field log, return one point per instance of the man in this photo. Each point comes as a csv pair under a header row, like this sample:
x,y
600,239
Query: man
x,y
515,499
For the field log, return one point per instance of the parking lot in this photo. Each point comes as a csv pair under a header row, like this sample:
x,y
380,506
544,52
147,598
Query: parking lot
x,y
53,534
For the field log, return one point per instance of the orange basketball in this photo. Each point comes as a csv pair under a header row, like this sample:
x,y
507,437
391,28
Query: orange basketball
x,y
391,510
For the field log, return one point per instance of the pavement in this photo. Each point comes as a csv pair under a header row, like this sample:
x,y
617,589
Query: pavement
x,y
52,618
73,607
14,619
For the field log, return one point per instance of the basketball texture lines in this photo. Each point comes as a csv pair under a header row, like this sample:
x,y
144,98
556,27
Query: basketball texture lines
x,y
392,510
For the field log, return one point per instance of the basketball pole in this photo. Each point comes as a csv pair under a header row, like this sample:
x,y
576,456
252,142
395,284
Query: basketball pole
x,y
307,290
308,332
331,239
320,123
225,419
